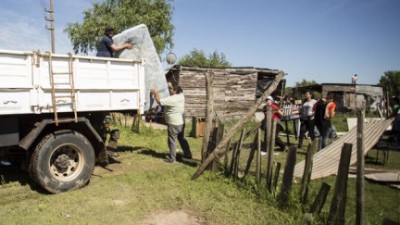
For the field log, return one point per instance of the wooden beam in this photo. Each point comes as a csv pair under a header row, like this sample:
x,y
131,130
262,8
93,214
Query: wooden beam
x,y
209,114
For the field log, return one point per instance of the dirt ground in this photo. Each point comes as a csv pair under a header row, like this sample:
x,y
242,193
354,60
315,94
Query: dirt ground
x,y
173,218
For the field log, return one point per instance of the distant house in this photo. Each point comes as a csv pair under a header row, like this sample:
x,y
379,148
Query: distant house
x,y
235,89
348,97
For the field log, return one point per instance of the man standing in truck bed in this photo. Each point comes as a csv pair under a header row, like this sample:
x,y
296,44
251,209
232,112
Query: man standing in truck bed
x,y
106,47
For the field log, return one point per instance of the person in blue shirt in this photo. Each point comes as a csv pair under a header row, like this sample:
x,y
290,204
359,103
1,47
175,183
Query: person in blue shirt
x,y
106,47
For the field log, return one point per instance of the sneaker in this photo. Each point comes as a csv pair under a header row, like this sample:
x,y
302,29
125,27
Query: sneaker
x,y
263,153
169,160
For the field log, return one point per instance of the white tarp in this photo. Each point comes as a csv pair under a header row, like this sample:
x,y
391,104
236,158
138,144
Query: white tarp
x,y
143,49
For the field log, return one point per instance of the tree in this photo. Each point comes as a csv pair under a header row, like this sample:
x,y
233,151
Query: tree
x,y
123,14
305,82
294,91
197,58
391,82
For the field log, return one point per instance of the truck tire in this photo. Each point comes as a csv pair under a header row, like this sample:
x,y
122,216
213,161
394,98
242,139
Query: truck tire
x,y
62,161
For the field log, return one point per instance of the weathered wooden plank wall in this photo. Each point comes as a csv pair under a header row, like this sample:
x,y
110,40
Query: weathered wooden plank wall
x,y
234,89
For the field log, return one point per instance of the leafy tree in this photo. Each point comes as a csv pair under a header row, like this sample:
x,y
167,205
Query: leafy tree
x,y
197,58
305,82
123,14
391,82
294,91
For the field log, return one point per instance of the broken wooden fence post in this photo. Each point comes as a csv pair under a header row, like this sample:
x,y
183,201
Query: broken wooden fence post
x,y
287,177
320,199
218,134
338,204
218,151
136,123
233,161
209,114
258,159
226,169
270,157
244,135
305,181
251,154
276,177
237,157
360,168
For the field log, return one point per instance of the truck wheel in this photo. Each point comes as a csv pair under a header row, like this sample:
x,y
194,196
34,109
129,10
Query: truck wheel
x,y
62,161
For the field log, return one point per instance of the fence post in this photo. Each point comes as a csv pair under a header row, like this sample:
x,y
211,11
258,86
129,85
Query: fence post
x,y
267,140
258,161
338,205
305,181
237,157
360,168
209,114
251,155
320,199
135,123
235,154
287,177
276,177
271,144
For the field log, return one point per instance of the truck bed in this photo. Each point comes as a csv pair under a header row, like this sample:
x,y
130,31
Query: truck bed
x,y
100,84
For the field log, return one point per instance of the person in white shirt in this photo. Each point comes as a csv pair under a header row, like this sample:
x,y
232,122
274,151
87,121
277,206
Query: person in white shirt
x,y
354,79
307,118
174,107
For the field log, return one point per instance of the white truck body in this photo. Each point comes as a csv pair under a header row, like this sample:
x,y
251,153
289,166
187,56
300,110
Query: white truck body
x,y
54,112
101,84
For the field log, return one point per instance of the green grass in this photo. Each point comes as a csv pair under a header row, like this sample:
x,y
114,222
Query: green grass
x,y
139,183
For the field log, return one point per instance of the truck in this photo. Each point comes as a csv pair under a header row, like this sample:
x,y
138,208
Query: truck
x,y
54,112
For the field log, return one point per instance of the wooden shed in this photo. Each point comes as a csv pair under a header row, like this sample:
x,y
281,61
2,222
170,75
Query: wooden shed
x,y
348,97
235,89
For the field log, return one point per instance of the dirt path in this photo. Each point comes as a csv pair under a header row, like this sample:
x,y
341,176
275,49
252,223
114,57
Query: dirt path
x,y
173,218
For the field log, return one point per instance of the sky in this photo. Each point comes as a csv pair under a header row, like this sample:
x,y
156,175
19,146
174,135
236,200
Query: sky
x,y
323,40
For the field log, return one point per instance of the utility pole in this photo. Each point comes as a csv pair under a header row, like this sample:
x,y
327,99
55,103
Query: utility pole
x,y
51,27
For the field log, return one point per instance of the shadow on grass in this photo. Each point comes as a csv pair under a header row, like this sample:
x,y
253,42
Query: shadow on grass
x,y
13,173
125,149
179,158
111,160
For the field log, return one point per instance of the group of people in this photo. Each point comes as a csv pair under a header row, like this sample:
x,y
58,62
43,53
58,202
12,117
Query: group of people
x,y
315,118
317,114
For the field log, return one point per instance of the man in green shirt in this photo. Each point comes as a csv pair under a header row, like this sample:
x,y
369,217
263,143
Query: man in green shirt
x,y
174,107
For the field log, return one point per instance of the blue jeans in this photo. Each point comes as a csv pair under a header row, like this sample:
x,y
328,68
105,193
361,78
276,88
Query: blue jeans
x,y
325,136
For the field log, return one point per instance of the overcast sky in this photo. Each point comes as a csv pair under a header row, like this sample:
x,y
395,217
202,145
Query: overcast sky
x,y
323,40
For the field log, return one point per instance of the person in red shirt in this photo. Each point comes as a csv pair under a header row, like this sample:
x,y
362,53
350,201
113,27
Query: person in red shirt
x,y
327,120
277,114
